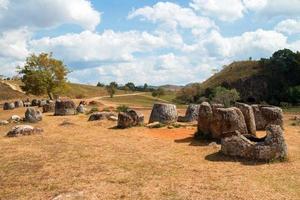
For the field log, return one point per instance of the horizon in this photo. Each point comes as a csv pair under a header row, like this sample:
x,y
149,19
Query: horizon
x,y
153,42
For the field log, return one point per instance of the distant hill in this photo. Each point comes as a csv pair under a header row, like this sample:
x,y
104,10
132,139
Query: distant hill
x,y
173,88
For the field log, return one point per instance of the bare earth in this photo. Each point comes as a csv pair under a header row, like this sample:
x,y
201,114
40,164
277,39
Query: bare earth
x,y
92,160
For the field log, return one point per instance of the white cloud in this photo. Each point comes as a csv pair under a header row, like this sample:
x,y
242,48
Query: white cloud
x,y
109,46
225,10
173,16
34,14
289,26
255,5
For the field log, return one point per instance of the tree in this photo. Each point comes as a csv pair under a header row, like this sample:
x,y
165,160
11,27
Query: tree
x,y
130,85
145,88
159,92
43,74
225,96
100,84
111,89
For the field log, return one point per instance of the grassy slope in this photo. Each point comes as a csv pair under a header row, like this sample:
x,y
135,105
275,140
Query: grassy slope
x,y
233,72
7,93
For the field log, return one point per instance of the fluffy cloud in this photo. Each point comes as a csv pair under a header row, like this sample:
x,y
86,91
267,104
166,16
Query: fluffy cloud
x,y
289,26
109,46
47,14
280,8
225,10
173,16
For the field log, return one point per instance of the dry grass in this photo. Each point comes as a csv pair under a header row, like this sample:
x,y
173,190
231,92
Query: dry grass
x,y
97,162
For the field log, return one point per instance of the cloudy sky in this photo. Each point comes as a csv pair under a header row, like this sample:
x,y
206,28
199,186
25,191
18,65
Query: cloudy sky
x,y
145,41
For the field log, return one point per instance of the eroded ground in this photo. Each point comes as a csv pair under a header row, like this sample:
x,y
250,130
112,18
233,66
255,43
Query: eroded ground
x,y
92,160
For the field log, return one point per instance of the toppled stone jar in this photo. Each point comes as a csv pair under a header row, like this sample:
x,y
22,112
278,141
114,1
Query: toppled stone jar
x,y
271,147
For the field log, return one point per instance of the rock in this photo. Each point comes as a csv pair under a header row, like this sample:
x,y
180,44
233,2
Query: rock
x,y
8,106
163,113
80,108
249,117
41,103
33,115
272,147
129,119
22,130
15,119
27,104
267,115
49,107
101,116
216,105
113,118
64,107
154,125
191,114
34,102
3,122
204,119
227,120
19,104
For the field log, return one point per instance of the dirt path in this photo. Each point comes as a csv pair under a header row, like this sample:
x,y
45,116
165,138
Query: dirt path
x,y
13,86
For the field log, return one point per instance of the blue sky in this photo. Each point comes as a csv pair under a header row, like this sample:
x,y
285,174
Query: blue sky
x,y
157,42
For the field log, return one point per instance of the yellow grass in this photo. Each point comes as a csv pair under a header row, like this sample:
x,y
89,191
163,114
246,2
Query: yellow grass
x,y
94,161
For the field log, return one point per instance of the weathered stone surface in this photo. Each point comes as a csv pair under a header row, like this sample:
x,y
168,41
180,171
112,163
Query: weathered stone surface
x,y
19,104
216,105
101,116
33,115
3,122
249,117
163,113
267,115
22,130
271,147
154,125
49,107
129,119
191,114
113,118
205,118
227,120
64,107
8,106
15,119
41,103
27,104
80,108
34,102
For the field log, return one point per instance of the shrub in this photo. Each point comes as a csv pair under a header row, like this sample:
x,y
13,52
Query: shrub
x,y
94,109
225,96
122,108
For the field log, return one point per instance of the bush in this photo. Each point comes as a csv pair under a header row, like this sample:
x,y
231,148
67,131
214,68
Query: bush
x,y
93,110
122,108
225,96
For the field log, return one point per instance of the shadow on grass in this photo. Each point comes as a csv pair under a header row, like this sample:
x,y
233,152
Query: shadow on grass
x,y
219,157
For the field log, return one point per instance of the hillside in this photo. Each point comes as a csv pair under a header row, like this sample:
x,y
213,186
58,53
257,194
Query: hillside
x,y
6,92
236,71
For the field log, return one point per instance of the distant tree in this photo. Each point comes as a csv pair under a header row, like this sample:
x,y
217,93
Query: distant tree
x,y
225,96
294,94
126,89
100,84
250,58
43,74
145,87
111,89
159,92
130,85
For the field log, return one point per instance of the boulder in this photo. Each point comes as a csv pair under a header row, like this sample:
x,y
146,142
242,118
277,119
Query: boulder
x,y
22,130
33,115
113,118
41,103
19,104
49,107
191,114
204,119
34,102
80,108
267,115
227,120
101,116
8,106
163,113
15,119
249,117
154,125
129,119
271,147
27,104
64,107
3,122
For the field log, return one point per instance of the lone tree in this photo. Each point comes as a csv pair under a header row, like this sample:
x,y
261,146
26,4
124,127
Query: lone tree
x,y
43,74
111,89
159,92
225,96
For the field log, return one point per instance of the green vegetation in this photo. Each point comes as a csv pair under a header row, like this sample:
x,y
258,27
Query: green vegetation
x,y
159,92
111,89
225,96
43,74
122,108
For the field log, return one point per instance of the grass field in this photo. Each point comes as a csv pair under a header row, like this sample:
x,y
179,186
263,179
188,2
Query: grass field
x,y
92,160
295,110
